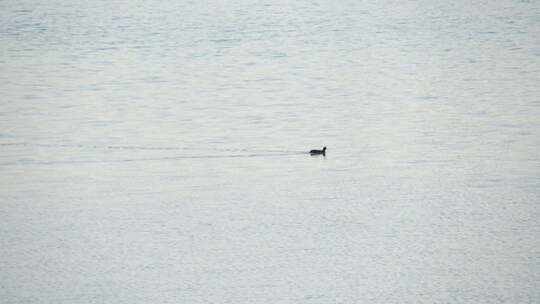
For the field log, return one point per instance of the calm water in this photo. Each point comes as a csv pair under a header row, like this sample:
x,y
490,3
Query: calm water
x,y
155,152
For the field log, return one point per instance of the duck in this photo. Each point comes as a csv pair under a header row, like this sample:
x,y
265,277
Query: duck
x,y
316,152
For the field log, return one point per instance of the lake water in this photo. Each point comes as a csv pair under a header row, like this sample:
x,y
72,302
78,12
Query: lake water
x,y
155,152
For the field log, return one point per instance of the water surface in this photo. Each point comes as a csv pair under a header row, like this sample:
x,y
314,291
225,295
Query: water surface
x,y
158,152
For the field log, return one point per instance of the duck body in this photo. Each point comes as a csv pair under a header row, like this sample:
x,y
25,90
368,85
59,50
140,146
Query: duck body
x,y
317,152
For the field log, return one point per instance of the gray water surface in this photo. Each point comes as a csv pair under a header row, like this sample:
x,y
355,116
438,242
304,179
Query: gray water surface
x,y
156,152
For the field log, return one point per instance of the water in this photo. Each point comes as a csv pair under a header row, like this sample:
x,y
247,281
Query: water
x,y
156,152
